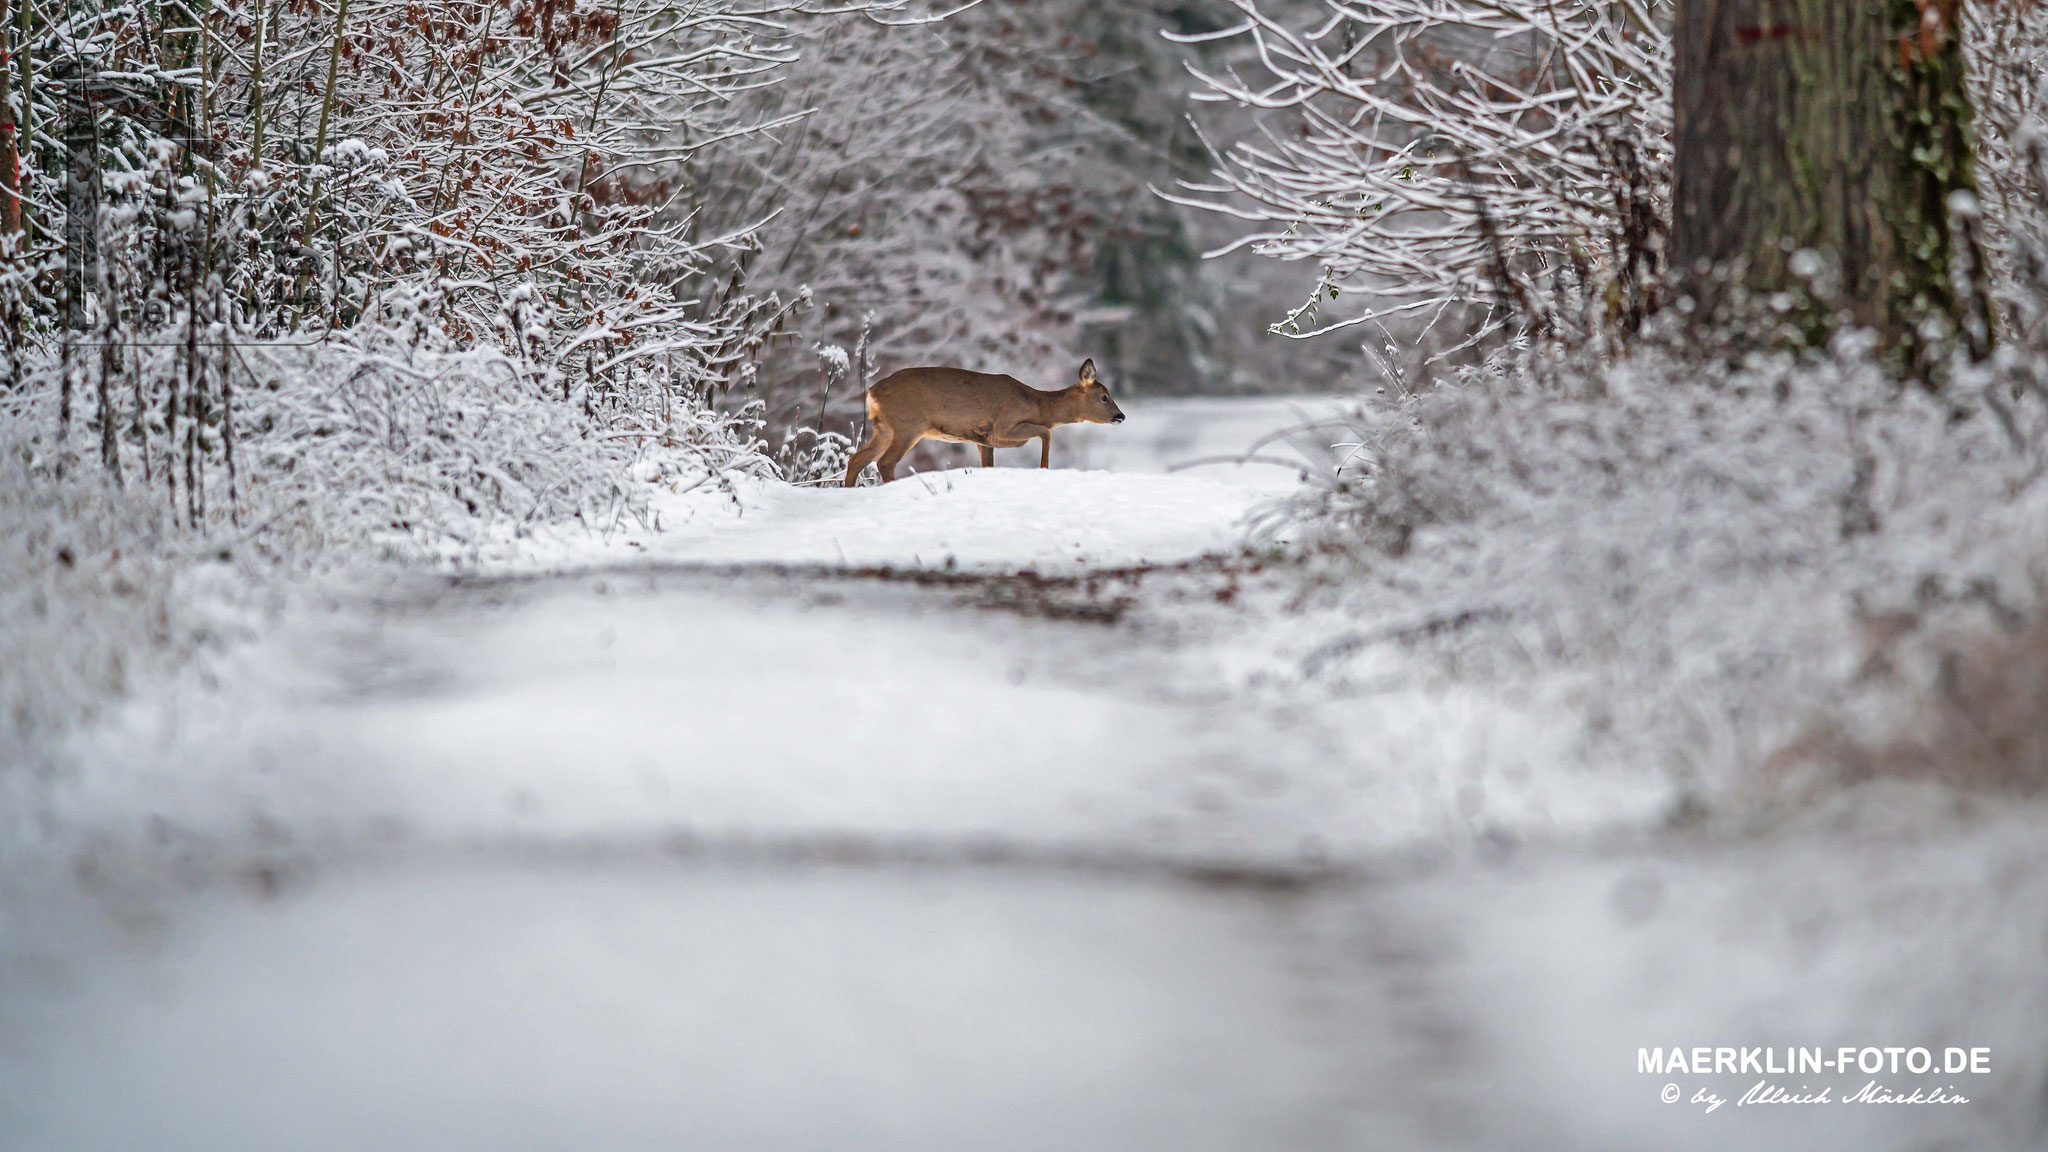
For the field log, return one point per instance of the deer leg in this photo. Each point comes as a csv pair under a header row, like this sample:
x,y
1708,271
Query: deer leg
x,y
899,447
1018,435
988,456
878,442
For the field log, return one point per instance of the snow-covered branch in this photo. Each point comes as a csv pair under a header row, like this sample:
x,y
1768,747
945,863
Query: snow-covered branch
x,y
1428,154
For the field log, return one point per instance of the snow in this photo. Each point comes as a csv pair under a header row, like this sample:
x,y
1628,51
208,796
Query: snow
x,y
1164,487
739,709
997,519
1006,808
645,1006
1207,437
768,831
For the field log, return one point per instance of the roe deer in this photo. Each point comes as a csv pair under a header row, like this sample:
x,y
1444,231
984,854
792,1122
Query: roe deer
x,y
973,408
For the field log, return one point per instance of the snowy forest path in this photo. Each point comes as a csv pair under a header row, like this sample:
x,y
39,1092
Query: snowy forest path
x,y
728,840
733,845
945,665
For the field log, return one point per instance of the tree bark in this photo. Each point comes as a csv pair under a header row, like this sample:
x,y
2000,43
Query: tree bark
x,y
10,160
25,125
1841,127
81,196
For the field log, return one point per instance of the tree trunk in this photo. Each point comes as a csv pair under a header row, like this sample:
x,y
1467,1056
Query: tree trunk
x,y
10,161
81,196
25,126
1841,127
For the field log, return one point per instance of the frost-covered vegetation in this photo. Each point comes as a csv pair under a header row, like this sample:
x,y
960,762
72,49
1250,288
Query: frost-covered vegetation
x,y
379,272
307,283
1702,560
1431,157
382,280
310,282
1762,559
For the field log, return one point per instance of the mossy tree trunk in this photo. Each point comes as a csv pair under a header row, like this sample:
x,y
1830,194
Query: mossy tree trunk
x,y
1838,127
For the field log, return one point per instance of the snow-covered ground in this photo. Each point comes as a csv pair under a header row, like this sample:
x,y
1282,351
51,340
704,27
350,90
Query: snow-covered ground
x,y
813,824
1175,482
981,520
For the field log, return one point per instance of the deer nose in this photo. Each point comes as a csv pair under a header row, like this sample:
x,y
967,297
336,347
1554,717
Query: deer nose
x,y
1117,419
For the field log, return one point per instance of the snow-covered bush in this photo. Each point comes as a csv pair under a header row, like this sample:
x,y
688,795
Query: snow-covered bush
x,y
939,201
1669,531
389,271
1440,160
1965,708
1688,555
337,153
811,457
86,571
434,452
359,279
2006,49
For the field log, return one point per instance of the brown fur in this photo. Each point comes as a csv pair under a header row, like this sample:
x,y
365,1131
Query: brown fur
x,y
973,408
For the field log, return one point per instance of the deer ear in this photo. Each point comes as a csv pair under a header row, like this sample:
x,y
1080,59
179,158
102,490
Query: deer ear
x,y
1088,371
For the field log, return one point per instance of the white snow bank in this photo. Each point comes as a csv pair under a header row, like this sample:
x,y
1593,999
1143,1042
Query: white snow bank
x,y
1161,488
981,519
